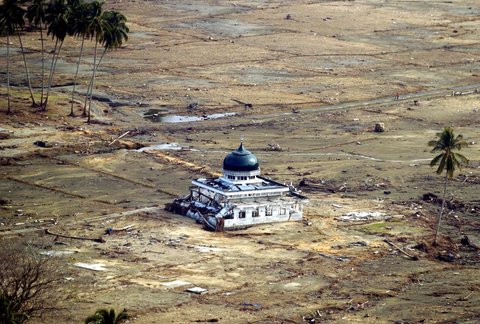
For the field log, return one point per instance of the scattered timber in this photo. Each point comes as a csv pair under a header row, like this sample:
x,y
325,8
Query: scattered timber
x,y
98,240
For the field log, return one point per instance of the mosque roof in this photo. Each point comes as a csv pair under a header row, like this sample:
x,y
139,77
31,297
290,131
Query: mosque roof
x,y
240,160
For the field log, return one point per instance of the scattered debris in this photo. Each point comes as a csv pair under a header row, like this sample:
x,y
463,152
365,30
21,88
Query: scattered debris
x,y
357,243
450,204
422,246
119,137
465,241
245,104
6,147
112,230
193,105
446,256
292,285
98,240
210,320
379,127
175,284
274,147
361,216
5,201
5,133
57,253
207,249
91,266
42,144
412,257
197,290
334,257
245,304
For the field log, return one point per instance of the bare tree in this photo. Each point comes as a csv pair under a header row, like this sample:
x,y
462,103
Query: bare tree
x,y
28,282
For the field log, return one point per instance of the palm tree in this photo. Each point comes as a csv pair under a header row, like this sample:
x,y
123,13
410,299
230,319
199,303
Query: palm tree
x,y
113,36
20,23
11,16
82,16
36,15
102,316
447,160
96,27
57,21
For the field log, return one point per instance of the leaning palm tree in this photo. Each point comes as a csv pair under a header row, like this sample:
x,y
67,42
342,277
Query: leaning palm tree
x,y
36,15
82,15
57,26
102,316
113,36
447,161
11,16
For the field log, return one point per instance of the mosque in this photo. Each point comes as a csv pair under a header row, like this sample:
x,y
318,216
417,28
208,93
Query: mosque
x,y
240,198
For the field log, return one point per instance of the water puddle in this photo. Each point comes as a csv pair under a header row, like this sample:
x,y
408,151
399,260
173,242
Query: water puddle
x,y
162,147
159,116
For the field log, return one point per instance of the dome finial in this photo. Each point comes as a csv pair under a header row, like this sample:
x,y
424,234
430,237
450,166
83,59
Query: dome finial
x,y
240,148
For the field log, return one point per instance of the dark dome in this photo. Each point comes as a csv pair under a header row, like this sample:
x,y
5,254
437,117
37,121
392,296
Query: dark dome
x,y
240,160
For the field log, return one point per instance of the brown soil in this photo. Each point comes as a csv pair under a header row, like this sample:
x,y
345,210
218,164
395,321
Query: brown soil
x,y
317,83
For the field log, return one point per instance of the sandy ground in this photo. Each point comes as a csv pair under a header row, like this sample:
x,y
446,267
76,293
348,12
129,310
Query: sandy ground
x,y
318,75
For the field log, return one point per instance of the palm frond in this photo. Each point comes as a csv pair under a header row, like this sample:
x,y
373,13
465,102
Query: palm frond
x,y
462,158
122,316
441,165
95,318
436,159
450,166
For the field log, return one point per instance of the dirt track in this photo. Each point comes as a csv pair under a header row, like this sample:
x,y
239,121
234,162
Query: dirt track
x,y
317,82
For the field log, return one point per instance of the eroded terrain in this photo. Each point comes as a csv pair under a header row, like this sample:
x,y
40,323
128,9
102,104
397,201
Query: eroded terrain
x,y
318,75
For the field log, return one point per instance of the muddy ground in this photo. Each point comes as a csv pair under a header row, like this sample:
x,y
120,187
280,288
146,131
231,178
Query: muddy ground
x,y
317,76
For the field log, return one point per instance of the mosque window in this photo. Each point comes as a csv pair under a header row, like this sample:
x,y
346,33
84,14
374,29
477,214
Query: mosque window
x,y
269,211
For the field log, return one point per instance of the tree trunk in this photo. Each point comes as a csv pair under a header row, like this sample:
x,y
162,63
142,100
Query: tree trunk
x,y
52,71
44,104
43,64
93,83
75,78
29,82
90,84
441,210
9,110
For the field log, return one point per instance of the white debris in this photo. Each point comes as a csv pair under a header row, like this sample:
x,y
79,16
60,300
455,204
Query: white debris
x,y
197,290
292,285
361,216
91,266
207,249
175,283
57,253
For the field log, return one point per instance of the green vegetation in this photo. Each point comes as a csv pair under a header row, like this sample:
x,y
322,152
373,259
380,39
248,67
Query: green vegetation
x,y
102,316
447,161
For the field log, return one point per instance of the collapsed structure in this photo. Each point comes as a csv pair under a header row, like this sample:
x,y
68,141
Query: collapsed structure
x,y
240,197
